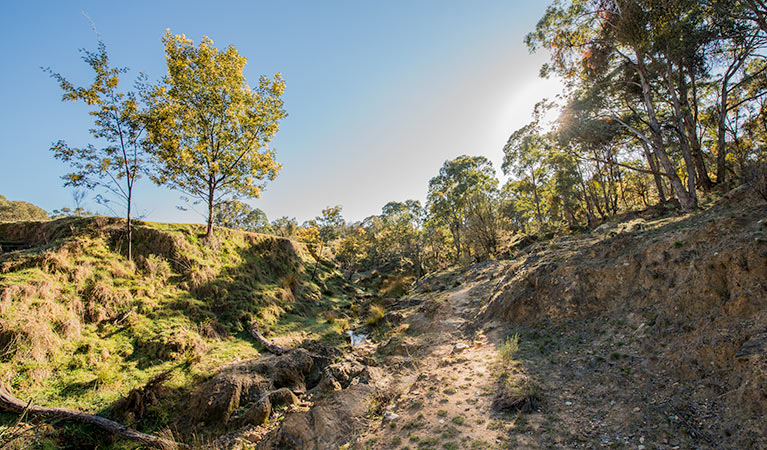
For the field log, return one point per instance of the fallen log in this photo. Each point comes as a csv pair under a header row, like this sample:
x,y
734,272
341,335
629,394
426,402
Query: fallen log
x,y
272,348
12,404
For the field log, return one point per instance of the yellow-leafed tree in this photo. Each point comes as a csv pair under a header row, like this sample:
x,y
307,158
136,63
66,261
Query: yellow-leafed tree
x,y
208,130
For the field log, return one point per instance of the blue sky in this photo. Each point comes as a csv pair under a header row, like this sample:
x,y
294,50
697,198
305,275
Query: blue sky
x,y
379,94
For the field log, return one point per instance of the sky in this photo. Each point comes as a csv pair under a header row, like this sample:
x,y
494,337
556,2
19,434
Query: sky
x,y
379,94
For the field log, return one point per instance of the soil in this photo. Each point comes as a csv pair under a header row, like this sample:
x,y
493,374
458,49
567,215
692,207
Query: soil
x,y
646,335
649,336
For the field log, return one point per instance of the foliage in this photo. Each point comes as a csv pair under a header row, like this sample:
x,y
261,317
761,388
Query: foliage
x,y
666,90
118,122
239,215
208,130
462,183
284,226
509,348
376,315
18,211
330,223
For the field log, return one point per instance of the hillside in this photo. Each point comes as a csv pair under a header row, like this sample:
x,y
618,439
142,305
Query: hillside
x,y
641,333
82,327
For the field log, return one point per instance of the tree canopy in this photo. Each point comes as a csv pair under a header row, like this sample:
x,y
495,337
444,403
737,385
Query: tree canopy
x,y
209,130
118,125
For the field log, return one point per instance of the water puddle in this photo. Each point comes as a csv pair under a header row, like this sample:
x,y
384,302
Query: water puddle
x,y
356,339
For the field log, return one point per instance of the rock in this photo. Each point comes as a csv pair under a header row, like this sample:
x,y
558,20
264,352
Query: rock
x,y
245,383
258,413
754,346
283,397
345,371
390,416
394,317
326,385
331,421
459,347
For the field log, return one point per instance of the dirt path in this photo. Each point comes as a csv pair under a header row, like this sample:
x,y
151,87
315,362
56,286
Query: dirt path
x,y
447,388
594,390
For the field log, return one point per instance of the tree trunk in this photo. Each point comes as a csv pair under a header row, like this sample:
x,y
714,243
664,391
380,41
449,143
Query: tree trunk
x,y
721,136
10,403
210,211
687,200
130,225
684,142
690,116
654,167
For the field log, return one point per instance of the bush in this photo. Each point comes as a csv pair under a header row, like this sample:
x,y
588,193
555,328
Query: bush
x,y
509,348
157,267
376,314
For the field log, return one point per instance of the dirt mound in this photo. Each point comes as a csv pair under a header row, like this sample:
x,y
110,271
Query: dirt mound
x,y
331,422
326,398
691,292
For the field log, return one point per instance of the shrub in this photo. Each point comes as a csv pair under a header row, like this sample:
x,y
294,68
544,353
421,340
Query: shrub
x,y
509,348
157,267
103,301
376,314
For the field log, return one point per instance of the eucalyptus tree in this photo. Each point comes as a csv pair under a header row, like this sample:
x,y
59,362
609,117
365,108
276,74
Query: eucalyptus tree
x,y
524,158
238,215
403,229
209,130
621,42
460,181
330,223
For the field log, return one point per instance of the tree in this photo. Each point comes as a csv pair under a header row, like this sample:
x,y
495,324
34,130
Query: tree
x,y
239,215
525,157
18,211
208,130
284,226
402,233
330,223
117,123
650,51
351,250
458,182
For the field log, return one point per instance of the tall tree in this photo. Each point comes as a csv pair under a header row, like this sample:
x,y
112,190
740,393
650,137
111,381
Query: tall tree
x,y
208,129
458,182
330,223
236,214
118,124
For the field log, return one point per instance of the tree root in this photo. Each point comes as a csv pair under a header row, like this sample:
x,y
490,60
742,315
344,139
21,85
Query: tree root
x,y
10,403
272,348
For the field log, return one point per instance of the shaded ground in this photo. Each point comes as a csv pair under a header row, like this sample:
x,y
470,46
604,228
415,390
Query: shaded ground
x,y
649,334
598,387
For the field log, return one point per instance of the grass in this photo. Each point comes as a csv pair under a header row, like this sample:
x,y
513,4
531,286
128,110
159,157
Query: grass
x,y
458,420
375,315
509,348
80,325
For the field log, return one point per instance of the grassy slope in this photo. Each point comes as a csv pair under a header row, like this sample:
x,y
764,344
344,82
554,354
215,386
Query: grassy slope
x,y
80,326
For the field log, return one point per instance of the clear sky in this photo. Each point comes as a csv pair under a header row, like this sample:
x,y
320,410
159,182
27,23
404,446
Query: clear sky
x,y
379,93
